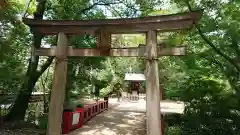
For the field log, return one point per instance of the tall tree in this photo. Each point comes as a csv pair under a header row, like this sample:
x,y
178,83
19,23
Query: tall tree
x,y
13,48
60,9
20,106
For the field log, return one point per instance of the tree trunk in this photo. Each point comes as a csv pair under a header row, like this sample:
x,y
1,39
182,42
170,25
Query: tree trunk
x,y
20,106
21,103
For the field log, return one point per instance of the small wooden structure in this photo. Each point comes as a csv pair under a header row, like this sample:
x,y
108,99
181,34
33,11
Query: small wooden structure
x,y
102,30
133,86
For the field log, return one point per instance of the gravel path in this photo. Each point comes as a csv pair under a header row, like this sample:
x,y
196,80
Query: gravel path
x,y
124,118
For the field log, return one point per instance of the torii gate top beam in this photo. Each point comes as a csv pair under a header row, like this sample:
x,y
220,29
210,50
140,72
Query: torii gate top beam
x,y
170,22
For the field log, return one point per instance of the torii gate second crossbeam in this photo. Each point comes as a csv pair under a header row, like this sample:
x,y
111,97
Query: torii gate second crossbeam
x,y
103,29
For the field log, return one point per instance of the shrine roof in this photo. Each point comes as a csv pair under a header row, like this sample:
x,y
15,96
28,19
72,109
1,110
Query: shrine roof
x,y
169,22
134,77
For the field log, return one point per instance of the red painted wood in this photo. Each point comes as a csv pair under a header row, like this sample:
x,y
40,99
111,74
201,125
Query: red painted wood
x,y
89,111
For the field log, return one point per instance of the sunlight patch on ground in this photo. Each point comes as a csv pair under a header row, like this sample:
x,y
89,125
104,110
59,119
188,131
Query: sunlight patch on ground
x,y
123,125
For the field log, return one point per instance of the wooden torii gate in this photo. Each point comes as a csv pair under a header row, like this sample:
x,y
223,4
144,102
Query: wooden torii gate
x,y
102,29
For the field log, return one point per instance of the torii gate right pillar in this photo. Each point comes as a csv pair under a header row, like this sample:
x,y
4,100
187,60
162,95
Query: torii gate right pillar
x,y
152,86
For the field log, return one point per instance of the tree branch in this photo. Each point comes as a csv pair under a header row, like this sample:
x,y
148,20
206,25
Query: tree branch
x,y
218,51
40,9
236,47
28,5
115,12
45,66
99,3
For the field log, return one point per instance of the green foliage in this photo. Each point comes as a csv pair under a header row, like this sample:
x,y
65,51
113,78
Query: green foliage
x,y
209,109
43,122
14,40
173,130
79,105
206,80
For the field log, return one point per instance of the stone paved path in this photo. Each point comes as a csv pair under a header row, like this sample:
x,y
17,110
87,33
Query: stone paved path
x,y
124,118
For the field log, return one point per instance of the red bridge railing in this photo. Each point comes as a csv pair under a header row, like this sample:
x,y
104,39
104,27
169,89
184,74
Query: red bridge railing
x,y
75,119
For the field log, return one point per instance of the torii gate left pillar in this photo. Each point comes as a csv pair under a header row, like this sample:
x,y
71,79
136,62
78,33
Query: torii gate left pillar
x,y
58,86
